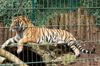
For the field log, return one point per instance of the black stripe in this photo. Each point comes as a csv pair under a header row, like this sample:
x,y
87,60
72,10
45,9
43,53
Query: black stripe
x,y
15,41
69,42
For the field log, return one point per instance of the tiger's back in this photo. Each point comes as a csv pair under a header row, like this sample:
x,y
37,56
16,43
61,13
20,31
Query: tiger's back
x,y
54,35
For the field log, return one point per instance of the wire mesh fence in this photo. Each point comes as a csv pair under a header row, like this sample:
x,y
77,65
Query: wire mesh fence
x,y
80,17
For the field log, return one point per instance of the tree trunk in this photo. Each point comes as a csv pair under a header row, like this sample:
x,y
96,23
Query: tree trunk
x,y
11,57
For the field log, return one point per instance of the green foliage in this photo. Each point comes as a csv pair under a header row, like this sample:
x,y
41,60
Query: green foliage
x,y
93,8
43,8
48,7
9,8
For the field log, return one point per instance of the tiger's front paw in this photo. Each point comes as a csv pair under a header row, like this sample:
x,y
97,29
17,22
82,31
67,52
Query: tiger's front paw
x,y
19,49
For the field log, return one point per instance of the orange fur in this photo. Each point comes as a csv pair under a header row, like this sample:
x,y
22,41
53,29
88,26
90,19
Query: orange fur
x,y
31,33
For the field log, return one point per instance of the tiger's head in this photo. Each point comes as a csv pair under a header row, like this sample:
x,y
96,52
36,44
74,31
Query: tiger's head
x,y
20,23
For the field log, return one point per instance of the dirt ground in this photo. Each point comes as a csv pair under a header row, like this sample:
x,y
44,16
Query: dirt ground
x,y
88,58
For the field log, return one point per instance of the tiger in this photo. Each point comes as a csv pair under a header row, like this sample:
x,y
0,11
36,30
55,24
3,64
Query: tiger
x,y
27,32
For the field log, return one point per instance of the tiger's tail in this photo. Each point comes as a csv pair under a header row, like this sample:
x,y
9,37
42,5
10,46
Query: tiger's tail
x,y
84,50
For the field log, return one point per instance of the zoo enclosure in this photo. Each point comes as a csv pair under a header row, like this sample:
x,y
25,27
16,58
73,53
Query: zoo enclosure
x,y
80,17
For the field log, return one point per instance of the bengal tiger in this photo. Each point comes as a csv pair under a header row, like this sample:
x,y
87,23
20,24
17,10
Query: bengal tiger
x,y
27,32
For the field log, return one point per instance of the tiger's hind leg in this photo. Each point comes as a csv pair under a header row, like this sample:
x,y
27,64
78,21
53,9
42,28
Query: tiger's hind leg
x,y
74,48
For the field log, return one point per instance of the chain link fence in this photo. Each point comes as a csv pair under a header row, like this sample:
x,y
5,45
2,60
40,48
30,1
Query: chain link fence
x,y
80,17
